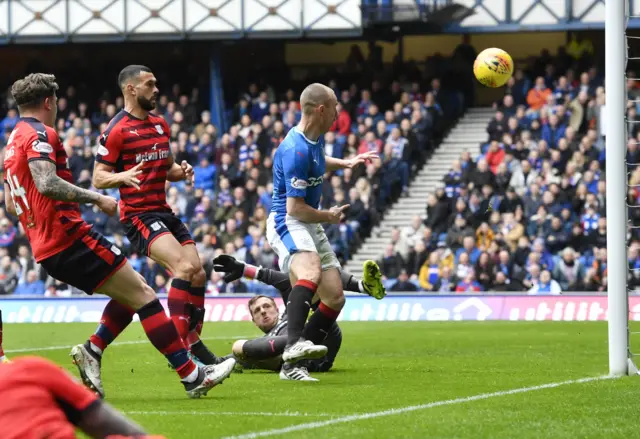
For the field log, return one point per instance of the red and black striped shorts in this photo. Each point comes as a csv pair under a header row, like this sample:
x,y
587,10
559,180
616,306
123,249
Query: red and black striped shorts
x,y
87,264
145,228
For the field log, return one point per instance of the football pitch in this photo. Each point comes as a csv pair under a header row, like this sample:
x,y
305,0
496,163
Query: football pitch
x,y
390,380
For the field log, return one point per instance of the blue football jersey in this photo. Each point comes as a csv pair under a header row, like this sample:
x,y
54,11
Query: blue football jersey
x,y
298,170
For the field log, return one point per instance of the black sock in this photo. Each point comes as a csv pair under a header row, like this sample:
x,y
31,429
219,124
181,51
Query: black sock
x,y
298,309
203,353
350,282
264,348
319,323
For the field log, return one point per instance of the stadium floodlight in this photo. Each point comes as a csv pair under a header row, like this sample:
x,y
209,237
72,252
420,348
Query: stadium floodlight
x,y
620,358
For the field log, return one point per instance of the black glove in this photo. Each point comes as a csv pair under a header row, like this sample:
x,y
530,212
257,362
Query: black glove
x,y
228,264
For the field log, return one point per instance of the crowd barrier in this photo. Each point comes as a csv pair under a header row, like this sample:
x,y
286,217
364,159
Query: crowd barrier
x,y
357,308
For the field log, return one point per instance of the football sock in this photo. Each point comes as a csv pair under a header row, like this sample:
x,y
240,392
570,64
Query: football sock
x,y
177,303
319,323
196,299
351,283
202,352
115,318
163,334
264,348
298,309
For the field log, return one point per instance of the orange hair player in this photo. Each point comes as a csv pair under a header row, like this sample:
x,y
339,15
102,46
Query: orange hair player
x,y
39,399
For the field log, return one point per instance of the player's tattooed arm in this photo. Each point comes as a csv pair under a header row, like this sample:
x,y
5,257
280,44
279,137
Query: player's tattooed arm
x,y
8,200
51,186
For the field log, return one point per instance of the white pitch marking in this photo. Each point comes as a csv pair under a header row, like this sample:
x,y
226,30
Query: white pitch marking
x,y
270,414
401,410
118,343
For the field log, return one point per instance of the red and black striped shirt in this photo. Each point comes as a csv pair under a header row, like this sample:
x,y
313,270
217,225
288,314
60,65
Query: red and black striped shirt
x,y
128,141
51,226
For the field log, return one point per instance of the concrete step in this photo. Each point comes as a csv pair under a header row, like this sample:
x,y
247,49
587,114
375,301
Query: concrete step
x,y
378,241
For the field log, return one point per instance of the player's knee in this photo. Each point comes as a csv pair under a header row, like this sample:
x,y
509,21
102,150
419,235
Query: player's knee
x,y
186,269
237,348
143,294
200,278
335,302
307,266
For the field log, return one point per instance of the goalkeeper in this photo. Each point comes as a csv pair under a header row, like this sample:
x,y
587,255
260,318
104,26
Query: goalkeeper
x,y
265,352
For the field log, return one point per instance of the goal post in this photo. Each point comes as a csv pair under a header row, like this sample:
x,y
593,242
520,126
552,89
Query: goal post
x,y
616,177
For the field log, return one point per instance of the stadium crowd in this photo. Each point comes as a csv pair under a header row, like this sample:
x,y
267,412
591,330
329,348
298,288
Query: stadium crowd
x,y
528,212
227,206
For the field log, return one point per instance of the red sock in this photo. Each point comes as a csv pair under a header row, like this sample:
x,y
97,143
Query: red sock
x,y
115,318
163,335
196,298
179,310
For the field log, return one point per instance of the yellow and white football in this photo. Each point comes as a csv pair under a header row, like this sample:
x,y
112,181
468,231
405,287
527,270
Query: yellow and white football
x,y
493,67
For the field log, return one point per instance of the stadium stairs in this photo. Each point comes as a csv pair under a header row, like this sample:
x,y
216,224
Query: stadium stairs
x,y
467,135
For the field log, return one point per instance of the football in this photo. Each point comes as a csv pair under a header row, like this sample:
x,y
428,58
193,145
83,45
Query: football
x,y
493,67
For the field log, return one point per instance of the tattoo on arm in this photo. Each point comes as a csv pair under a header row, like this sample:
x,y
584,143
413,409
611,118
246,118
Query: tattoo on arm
x,y
51,186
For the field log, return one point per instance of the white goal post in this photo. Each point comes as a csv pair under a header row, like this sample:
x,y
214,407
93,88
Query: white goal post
x,y
620,361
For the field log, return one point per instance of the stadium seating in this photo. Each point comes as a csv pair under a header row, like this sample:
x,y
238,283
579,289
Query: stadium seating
x,y
525,211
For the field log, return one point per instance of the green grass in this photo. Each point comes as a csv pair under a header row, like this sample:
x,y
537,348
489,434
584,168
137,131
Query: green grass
x,y
382,365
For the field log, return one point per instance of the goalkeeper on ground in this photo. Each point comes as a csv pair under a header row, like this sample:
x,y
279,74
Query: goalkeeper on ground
x,y
265,352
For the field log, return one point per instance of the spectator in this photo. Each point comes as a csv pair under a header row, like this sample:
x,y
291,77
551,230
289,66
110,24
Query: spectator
x,y
546,285
403,283
391,264
32,286
538,95
569,271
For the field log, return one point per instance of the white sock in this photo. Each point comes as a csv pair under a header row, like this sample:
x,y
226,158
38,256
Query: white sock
x,y
95,349
191,377
361,287
3,359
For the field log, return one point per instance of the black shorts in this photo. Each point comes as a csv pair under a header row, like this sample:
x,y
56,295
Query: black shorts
x,y
87,264
144,228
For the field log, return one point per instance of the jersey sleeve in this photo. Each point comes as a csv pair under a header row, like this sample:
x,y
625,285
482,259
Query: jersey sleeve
x,y
72,397
295,165
109,147
41,146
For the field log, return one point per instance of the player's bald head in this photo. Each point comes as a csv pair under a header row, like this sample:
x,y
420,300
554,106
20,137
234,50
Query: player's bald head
x,y
313,96
131,74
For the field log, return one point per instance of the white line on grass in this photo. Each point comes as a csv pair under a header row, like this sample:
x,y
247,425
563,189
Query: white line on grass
x,y
118,343
401,410
270,414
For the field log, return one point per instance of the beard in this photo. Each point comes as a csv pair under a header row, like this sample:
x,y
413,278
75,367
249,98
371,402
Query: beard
x,y
147,104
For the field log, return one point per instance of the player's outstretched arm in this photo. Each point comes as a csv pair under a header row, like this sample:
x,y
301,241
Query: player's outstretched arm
x,y
51,186
105,178
334,164
235,269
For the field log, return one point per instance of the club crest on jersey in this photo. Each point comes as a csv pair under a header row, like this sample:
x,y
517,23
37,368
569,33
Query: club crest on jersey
x,y
159,129
103,150
42,147
296,183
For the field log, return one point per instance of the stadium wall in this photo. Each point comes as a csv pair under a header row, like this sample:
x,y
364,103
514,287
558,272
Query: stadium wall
x,y
580,307
519,45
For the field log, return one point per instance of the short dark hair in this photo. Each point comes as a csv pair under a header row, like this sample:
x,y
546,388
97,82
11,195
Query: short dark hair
x,y
131,72
33,89
254,299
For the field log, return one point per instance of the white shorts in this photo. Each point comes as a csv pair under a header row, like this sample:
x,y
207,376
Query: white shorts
x,y
287,236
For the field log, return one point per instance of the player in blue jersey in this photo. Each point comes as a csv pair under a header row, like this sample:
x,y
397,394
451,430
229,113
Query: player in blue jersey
x,y
295,232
